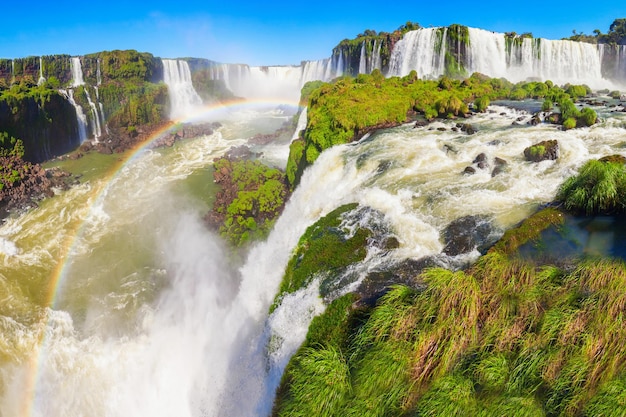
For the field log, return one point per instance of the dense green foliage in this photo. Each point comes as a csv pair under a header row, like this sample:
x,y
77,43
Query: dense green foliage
x,y
346,109
350,49
11,166
326,247
599,188
258,196
505,337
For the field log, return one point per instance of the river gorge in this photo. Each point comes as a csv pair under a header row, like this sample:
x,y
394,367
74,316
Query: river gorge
x,y
117,300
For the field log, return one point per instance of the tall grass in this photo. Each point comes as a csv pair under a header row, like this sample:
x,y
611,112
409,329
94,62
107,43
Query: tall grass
x,y
504,338
599,188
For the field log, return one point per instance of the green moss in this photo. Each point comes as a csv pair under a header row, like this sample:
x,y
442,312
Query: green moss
x,y
325,247
530,229
258,196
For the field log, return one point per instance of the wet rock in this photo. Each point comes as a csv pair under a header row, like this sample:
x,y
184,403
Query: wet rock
x,y
619,159
500,166
494,142
542,151
441,129
469,171
449,148
377,283
481,161
467,128
420,123
468,233
535,120
240,152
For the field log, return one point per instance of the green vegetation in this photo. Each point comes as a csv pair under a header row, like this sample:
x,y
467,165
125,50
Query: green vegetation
x,y
346,109
505,337
12,168
481,104
208,89
599,188
252,198
328,246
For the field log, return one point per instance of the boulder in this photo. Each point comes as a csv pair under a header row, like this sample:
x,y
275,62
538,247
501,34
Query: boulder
x,y
469,171
467,233
481,161
620,159
500,166
542,151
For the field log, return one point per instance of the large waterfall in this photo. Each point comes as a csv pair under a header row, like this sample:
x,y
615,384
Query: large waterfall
x,y
183,97
420,50
516,59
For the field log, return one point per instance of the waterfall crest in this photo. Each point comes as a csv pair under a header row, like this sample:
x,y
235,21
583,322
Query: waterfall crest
x,y
183,97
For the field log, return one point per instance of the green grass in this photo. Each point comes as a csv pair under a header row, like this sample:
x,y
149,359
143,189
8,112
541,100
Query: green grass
x,y
599,188
506,337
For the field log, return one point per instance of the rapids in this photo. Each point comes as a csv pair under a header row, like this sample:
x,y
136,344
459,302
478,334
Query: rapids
x,y
151,316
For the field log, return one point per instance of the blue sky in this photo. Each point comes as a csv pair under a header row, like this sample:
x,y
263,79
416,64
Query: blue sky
x,y
264,33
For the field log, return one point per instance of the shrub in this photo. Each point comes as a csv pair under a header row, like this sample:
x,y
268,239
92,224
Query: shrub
x,y
481,104
599,188
569,123
588,116
547,105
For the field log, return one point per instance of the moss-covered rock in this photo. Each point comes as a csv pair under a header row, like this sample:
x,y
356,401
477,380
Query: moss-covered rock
x,y
542,151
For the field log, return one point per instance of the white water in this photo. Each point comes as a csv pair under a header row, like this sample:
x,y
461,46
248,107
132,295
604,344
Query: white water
x,y
560,61
183,97
301,123
98,74
77,71
417,51
41,77
96,129
363,60
81,118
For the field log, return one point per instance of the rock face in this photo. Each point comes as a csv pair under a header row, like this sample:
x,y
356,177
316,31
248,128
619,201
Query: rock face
x,y
31,183
47,129
542,151
468,233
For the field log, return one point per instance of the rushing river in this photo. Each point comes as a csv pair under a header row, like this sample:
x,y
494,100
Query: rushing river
x,y
152,317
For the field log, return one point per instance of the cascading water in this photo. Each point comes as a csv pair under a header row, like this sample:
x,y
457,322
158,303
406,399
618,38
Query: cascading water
x,y
152,320
376,59
77,71
558,61
98,74
41,77
96,127
420,50
183,97
81,118
363,60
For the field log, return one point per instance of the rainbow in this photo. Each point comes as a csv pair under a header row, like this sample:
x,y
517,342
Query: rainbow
x,y
76,229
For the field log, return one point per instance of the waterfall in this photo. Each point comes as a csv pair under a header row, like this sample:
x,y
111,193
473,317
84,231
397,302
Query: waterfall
x,y
316,70
340,66
41,78
301,125
77,72
96,129
183,97
376,60
363,60
418,50
98,74
12,71
560,61
101,106
81,119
